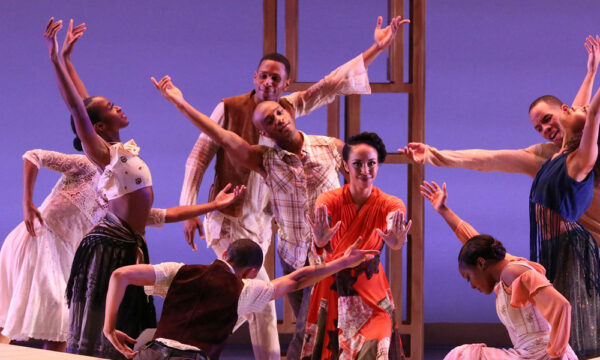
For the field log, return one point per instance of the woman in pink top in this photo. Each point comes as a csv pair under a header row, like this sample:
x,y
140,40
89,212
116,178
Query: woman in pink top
x,y
537,317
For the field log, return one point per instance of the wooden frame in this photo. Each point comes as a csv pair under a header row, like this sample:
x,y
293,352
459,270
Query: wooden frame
x,y
412,329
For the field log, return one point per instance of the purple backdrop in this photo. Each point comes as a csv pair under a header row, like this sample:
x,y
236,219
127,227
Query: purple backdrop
x,y
485,62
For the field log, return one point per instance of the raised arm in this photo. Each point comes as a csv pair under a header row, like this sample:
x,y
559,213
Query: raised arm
x,y
94,146
581,161
321,231
73,34
521,161
310,275
397,231
585,90
139,275
248,155
383,38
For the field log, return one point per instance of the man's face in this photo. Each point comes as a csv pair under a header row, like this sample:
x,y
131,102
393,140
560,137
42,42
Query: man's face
x,y
270,80
545,119
273,121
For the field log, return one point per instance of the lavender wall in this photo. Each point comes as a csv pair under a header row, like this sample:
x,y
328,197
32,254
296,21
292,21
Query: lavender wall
x,y
485,62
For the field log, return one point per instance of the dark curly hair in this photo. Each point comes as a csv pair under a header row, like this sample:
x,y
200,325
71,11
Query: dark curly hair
x,y
280,59
480,246
369,138
94,118
244,253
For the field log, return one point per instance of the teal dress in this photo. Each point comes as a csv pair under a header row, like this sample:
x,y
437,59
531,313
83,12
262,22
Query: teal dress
x,y
566,249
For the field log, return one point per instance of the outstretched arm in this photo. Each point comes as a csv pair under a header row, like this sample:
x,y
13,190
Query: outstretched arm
x,y
248,155
383,38
73,34
94,146
521,161
397,231
585,90
30,211
321,231
310,275
121,278
222,200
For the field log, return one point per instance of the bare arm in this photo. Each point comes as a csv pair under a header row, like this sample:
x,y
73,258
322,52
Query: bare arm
x,y
310,275
30,211
585,90
522,161
73,34
248,155
581,161
94,146
222,200
121,278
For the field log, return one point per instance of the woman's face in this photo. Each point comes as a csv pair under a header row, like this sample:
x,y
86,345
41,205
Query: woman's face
x,y
478,277
362,165
110,115
572,119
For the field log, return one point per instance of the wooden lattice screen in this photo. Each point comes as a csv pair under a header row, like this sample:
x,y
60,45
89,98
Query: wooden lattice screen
x,y
412,327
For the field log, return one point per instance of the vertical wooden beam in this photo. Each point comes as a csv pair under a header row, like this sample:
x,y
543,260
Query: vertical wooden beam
x,y
416,175
333,118
291,36
269,26
351,115
395,57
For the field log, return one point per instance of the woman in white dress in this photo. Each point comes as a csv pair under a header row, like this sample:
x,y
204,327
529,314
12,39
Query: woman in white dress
x,y
35,259
537,317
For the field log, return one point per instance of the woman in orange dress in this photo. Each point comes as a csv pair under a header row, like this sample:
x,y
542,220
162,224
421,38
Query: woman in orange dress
x,y
351,314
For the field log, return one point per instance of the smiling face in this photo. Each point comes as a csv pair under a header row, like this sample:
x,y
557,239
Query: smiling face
x,y
478,277
362,165
270,80
545,118
110,116
274,121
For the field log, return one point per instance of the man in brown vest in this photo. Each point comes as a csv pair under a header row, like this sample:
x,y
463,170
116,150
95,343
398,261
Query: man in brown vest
x,y
205,303
251,217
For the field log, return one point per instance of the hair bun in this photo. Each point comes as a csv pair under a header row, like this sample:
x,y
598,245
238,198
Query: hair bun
x,y
77,144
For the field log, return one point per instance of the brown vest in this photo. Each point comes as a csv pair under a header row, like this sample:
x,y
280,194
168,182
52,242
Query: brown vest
x,y
237,118
200,308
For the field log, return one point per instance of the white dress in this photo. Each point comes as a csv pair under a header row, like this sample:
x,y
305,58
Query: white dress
x,y
34,271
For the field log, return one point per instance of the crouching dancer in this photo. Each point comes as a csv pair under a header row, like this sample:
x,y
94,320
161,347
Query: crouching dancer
x,y
205,303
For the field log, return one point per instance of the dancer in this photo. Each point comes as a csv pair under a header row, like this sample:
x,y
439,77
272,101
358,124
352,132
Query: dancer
x,y
351,313
118,239
252,217
35,259
536,316
220,297
544,113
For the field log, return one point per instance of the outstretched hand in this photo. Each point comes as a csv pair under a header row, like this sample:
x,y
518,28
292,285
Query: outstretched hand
x,y
52,29
119,340
415,152
30,213
168,90
322,233
383,37
436,195
224,199
593,48
73,34
353,256
396,234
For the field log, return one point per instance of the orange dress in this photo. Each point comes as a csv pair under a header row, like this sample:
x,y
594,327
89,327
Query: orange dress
x,y
351,314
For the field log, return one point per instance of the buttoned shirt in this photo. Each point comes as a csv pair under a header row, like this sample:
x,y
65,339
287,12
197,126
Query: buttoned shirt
x,y
255,222
255,295
295,183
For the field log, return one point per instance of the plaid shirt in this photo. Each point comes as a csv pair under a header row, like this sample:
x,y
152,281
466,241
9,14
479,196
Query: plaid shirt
x,y
295,184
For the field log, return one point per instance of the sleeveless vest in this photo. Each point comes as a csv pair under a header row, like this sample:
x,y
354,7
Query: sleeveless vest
x,y
200,308
237,118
